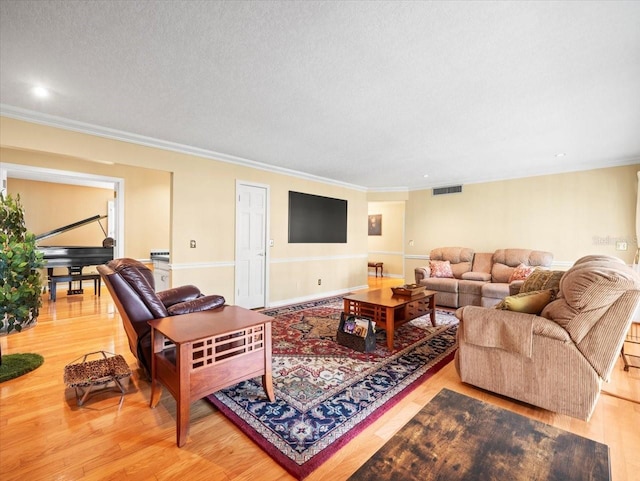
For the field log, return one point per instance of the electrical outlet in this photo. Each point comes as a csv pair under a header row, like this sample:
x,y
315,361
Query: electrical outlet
x,y
192,244
319,282
621,246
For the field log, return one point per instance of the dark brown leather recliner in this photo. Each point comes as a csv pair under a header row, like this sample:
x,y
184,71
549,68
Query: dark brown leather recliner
x,y
132,288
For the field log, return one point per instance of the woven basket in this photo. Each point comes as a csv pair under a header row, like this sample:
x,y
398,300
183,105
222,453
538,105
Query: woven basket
x,y
353,341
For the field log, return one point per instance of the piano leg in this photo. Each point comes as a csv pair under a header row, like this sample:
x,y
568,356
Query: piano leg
x,y
52,285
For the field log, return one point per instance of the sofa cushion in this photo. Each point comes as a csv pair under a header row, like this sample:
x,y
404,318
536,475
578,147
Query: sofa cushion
x,y
442,284
440,269
470,287
529,302
482,262
495,290
521,273
476,276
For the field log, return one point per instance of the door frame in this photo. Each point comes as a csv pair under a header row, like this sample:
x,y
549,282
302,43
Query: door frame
x,y
29,172
267,230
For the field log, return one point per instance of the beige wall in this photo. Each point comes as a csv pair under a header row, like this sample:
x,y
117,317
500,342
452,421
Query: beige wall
x,y
388,247
571,215
568,214
202,207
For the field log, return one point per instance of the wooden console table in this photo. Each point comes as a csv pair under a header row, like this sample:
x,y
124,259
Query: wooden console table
x,y
208,351
389,311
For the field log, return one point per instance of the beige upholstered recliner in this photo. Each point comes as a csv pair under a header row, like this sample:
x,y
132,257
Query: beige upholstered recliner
x,y
556,360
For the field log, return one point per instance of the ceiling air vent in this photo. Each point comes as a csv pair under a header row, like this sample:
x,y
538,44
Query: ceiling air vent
x,y
454,189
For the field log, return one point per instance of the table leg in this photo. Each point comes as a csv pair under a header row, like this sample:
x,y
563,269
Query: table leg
x,y
390,321
267,384
267,378
157,342
432,306
183,402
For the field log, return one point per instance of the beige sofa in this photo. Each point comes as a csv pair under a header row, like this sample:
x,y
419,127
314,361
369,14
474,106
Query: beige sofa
x,y
479,279
556,360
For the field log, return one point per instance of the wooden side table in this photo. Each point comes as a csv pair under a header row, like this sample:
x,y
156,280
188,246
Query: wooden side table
x,y
208,351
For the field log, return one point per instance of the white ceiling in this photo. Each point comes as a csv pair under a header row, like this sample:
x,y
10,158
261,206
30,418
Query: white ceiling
x,y
372,94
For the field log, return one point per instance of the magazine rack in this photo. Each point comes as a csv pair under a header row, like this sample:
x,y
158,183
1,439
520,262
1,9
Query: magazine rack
x,y
354,341
84,375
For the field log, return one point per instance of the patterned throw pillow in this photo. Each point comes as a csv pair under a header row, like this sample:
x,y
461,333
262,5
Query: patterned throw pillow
x,y
521,273
440,269
541,279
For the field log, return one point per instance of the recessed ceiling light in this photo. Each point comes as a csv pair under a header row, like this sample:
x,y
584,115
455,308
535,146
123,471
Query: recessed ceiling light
x,y
40,92
425,175
560,155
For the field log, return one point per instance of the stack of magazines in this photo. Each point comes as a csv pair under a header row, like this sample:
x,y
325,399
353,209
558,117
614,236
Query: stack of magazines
x,y
358,326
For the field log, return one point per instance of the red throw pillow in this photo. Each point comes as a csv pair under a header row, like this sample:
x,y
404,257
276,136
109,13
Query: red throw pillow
x,y
440,269
521,273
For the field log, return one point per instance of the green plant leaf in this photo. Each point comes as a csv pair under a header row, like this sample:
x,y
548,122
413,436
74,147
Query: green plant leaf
x,y
20,282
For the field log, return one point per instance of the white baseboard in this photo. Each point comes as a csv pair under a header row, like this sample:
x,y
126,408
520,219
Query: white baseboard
x,y
314,297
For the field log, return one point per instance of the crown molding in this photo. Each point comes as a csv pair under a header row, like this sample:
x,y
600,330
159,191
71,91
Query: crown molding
x,y
113,134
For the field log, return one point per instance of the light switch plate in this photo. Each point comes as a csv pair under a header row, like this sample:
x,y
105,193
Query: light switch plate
x,y
621,246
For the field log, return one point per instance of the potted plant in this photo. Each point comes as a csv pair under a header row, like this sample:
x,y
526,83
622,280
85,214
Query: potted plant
x,y
20,282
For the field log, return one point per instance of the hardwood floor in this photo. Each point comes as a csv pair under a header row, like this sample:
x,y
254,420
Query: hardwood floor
x,y
44,435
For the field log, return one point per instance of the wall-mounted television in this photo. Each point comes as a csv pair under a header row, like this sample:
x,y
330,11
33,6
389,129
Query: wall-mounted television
x,y
317,219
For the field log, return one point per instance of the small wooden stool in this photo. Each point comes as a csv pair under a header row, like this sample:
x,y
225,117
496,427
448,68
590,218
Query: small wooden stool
x,y
376,266
84,375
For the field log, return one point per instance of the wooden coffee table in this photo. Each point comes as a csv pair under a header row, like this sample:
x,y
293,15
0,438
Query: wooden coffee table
x,y
213,350
389,311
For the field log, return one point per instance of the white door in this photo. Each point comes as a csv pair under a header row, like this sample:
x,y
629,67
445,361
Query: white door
x,y
251,241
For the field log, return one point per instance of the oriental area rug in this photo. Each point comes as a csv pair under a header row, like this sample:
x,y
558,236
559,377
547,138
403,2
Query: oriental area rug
x,y
458,437
327,393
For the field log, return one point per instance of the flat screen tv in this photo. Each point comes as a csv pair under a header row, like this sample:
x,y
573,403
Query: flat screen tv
x,y
317,219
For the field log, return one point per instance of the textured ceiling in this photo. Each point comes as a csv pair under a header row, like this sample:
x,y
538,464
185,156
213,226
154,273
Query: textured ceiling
x,y
373,94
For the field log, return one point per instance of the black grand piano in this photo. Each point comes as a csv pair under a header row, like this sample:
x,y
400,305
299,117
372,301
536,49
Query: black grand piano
x,y
75,258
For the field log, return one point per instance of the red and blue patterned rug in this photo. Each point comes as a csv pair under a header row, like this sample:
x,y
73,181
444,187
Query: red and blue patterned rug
x,y
327,393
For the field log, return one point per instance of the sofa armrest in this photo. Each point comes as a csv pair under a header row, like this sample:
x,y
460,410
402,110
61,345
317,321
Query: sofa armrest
x,y
481,317
496,328
422,273
176,295
551,329
203,303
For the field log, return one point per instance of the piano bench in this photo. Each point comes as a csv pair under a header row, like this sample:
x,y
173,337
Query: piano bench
x,y
53,281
